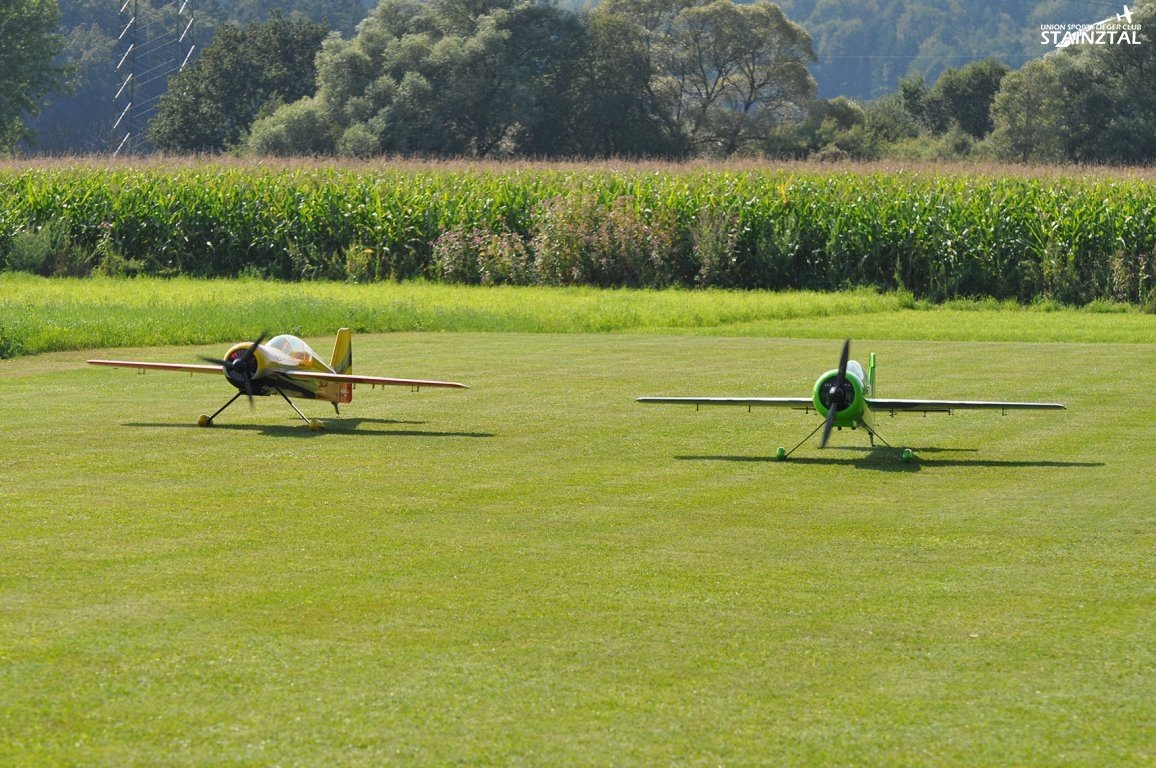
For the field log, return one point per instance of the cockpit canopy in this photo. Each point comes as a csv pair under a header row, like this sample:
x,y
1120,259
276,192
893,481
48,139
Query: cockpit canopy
x,y
292,346
856,370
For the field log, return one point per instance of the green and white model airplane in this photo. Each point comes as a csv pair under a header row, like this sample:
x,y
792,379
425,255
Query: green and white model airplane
x,y
845,397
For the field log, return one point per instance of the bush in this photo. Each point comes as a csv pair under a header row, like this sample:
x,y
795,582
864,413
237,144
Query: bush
x,y
297,129
47,250
480,257
580,241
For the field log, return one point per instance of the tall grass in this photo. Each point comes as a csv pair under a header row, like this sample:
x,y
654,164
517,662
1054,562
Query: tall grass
x,y
940,237
45,314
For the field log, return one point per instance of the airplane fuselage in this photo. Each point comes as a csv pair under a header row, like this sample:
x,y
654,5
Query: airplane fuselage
x,y
282,355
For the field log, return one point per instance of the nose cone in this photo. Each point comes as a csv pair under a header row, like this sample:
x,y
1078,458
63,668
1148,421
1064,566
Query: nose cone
x,y
847,398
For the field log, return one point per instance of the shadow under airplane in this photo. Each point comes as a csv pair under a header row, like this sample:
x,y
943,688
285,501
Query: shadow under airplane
x,y
883,459
356,427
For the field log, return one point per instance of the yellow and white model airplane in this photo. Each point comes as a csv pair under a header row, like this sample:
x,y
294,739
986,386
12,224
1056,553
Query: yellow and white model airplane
x,y
285,365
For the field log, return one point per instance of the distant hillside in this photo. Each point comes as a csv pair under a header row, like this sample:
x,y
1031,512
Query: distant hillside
x,y
866,46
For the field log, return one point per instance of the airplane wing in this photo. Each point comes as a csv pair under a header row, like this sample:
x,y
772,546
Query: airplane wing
x,y
775,402
350,378
181,367
339,377
946,406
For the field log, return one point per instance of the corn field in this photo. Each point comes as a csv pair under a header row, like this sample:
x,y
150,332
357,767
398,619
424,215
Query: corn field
x,y
964,234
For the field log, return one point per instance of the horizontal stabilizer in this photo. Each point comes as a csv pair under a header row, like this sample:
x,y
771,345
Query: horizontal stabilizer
x,y
353,379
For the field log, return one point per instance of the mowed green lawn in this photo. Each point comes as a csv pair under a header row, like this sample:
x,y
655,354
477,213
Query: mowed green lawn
x,y
539,571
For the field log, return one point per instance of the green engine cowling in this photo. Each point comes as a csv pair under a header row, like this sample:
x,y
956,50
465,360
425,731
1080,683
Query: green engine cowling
x,y
851,397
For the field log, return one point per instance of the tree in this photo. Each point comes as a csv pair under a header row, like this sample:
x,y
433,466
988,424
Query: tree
x,y
520,77
211,105
1109,99
300,128
833,129
724,74
966,95
455,77
1027,114
922,104
29,45
79,118
889,119
616,113
502,83
866,47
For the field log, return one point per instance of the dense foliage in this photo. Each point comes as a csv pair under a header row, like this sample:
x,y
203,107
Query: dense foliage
x,y
210,105
1072,240
520,77
1087,103
1083,103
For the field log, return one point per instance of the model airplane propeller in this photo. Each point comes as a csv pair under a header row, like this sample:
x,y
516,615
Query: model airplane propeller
x,y
845,397
285,365
240,367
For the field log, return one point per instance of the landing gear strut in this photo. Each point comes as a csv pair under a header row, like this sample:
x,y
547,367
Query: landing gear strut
x,y
905,455
314,424
782,454
207,421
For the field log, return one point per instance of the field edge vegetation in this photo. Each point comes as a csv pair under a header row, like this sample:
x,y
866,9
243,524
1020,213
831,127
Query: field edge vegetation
x,y
40,315
1020,235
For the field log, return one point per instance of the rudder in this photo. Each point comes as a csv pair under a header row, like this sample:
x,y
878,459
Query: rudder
x,y
343,352
343,362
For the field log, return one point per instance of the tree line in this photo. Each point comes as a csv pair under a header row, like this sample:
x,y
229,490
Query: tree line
x,y
666,78
656,78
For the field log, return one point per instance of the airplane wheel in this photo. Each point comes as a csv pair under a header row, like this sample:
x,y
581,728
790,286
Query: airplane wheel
x,y
204,421
905,457
781,454
316,425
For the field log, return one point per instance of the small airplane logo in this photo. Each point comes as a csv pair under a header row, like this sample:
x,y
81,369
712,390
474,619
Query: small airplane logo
x,y
845,397
1086,32
285,365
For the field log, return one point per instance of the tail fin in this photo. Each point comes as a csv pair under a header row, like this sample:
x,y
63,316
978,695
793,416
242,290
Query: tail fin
x,y
343,363
343,352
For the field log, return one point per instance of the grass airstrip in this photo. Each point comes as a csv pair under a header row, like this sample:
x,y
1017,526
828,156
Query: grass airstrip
x,y
539,571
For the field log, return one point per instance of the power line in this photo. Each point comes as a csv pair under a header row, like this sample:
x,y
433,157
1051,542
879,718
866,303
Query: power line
x,y
157,41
